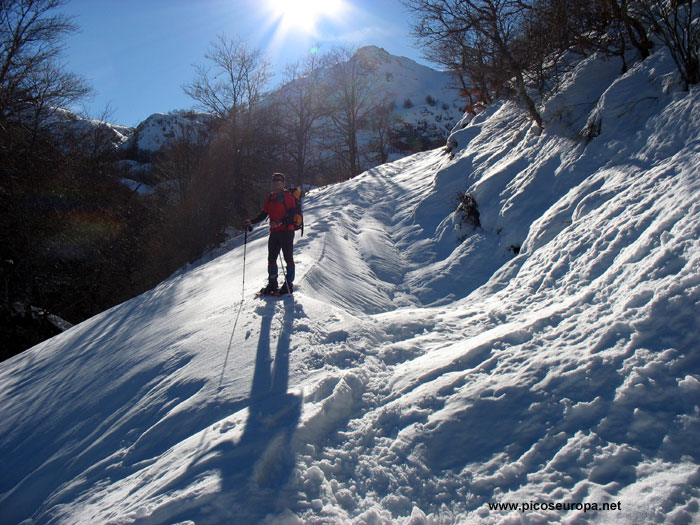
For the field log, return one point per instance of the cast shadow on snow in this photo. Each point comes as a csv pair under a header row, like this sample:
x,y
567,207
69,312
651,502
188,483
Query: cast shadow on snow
x,y
59,441
254,468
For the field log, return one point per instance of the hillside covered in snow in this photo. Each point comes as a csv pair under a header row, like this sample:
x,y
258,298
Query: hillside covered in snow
x,y
543,367
425,106
423,103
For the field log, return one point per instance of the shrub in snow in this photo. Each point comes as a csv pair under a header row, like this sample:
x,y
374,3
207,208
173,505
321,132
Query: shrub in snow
x,y
468,210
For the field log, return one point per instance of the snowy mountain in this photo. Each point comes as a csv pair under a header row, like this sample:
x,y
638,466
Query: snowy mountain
x,y
426,108
160,130
425,104
423,372
105,134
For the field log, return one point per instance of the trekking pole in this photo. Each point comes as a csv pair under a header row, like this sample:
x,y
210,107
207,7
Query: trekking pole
x,y
245,249
284,270
240,307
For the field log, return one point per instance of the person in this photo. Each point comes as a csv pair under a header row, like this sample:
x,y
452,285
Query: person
x,y
278,206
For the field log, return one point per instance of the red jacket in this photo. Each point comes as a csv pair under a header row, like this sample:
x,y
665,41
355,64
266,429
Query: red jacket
x,y
277,206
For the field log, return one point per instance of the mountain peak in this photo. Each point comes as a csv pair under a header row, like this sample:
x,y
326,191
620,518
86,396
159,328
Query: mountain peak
x,y
375,52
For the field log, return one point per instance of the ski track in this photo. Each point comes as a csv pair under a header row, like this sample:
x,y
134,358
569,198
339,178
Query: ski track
x,y
413,377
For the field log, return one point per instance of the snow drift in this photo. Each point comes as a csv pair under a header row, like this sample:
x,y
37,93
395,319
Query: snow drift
x,y
423,372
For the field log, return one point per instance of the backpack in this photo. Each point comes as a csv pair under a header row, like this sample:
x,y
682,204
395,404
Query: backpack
x,y
295,214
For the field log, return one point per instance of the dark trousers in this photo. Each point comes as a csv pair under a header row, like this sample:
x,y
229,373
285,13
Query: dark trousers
x,y
280,241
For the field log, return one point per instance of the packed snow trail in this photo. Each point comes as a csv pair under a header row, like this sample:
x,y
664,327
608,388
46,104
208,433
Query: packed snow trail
x,y
422,371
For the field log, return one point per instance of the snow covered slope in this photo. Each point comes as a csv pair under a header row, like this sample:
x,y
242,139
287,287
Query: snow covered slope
x,y
413,378
103,134
159,130
425,100
433,110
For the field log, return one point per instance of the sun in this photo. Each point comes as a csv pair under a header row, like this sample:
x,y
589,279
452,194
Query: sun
x,y
303,15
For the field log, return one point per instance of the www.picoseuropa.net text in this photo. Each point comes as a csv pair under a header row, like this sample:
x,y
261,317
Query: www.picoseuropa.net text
x,y
558,506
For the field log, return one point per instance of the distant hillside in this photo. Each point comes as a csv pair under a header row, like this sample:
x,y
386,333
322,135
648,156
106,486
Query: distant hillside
x,y
426,106
425,110
160,130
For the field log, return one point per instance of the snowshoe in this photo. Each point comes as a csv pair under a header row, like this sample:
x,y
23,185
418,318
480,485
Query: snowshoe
x,y
287,289
270,289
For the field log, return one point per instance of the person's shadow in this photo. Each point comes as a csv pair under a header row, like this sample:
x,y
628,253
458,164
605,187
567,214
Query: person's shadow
x,y
253,469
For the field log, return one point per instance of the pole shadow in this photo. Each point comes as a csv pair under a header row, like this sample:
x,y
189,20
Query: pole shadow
x,y
255,468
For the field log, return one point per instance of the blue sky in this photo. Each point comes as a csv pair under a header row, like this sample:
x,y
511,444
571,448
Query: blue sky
x,y
137,54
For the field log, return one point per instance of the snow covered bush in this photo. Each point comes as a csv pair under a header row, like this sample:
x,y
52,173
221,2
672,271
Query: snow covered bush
x,y
468,211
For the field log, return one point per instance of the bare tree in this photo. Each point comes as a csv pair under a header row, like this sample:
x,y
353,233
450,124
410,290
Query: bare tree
x,y
32,81
677,23
181,159
461,53
624,22
488,33
33,85
353,98
233,82
231,88
381,124
303,103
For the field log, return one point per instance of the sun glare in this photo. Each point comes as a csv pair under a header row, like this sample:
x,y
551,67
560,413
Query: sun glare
x,y
303,15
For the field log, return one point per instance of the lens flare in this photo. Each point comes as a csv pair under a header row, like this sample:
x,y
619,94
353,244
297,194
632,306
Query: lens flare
x,y
303,15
